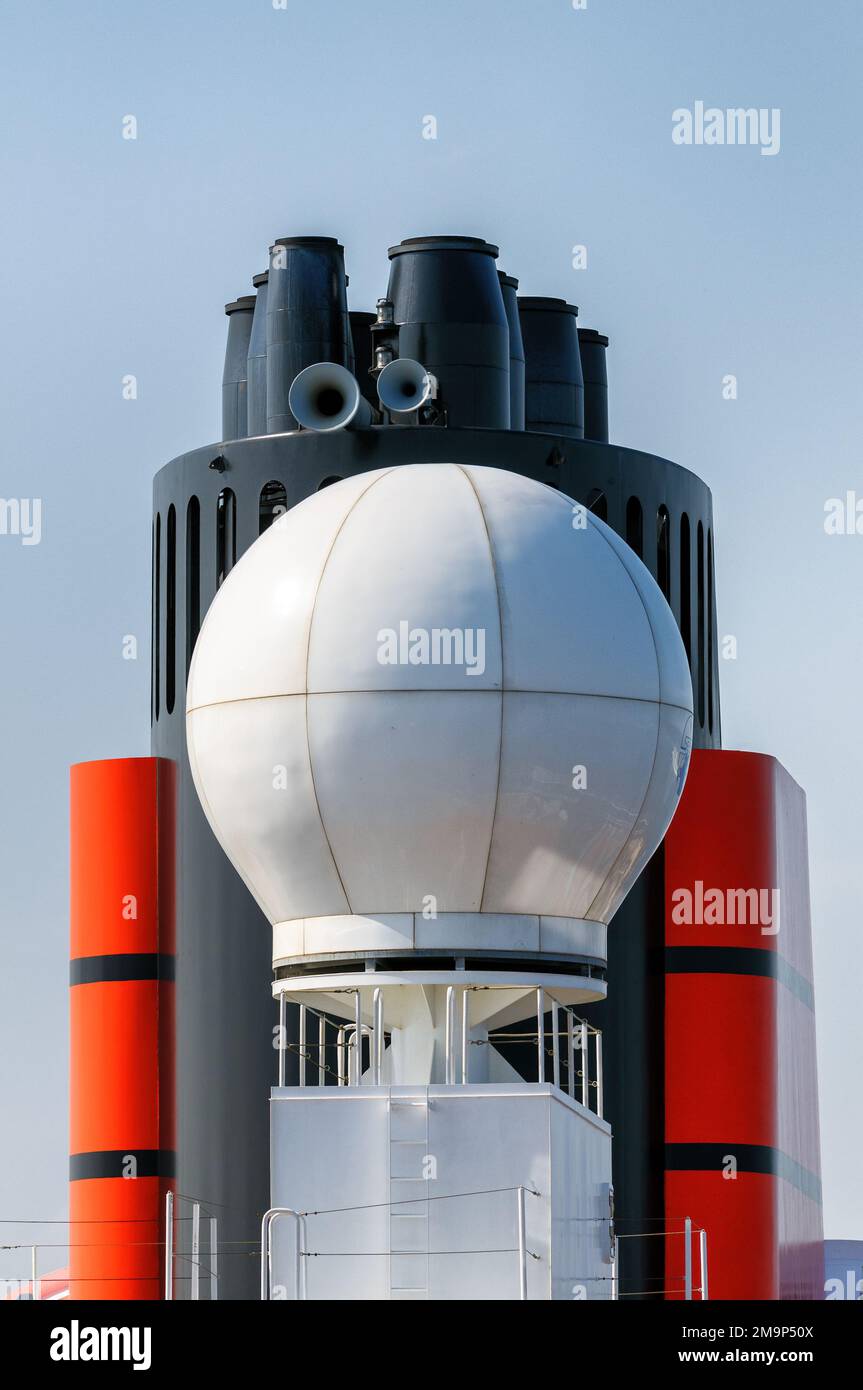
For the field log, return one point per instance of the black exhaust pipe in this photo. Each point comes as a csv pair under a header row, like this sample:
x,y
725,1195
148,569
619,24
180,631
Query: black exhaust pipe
x,y
592,346
509,288
449,310
256,393
307,317
361,335
554,384
234,410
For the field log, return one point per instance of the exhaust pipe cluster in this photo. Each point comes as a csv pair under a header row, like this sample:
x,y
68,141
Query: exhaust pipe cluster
x,y
451,344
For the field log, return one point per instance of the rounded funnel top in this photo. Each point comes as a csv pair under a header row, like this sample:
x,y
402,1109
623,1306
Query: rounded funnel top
x,y
443,243
246,303
439,703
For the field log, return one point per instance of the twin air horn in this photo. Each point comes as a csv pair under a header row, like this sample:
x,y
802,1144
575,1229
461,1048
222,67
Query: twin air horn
x,y
327,397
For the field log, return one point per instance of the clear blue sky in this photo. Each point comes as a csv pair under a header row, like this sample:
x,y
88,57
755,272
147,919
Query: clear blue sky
x,y
554,128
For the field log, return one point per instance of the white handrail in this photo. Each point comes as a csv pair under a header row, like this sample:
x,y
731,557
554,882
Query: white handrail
x,y
270,1218
195,1255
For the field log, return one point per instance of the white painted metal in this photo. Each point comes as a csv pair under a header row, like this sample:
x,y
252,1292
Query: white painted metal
x,y
196,1252
404,385
341,1058
288,686
465,1036
702,1252
322,1050
599,1088
687,1258
411,1200
522,1246
555,1045
377,1043
449,1044
214,1258
327,381
269,1220
169,1246
570,1052
283,1035
585,1067
540,1035
358,1039
302,1045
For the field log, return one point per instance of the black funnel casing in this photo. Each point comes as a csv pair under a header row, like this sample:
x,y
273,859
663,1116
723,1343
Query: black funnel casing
x,y
361,322
234,413
509,287
256,392
554,390
450,313
592,346
307,317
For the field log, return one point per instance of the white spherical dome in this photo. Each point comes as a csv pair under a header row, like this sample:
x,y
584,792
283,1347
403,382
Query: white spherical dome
x,y
439,705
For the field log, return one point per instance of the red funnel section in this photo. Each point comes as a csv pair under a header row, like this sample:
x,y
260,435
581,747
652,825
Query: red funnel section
x,y
122,1136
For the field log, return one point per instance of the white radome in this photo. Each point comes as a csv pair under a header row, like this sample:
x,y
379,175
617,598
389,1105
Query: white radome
x,y
439,705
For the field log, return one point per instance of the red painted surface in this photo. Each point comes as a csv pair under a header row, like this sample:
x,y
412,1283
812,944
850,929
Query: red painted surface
x,y
122,1031
739,1047
739,1215
721,1065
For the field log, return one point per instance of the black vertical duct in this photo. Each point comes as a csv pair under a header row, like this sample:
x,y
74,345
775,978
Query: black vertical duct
x,y
449,309
307,317
256,395
592,346
509,287
234,415
361,336
554,384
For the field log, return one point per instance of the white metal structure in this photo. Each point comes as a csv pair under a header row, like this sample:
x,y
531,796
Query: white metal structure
x,y
439,718
390,702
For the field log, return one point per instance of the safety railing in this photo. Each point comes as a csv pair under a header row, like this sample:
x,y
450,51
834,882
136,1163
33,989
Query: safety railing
x,y
303,1253
568,1053
311,1051
562,1051
195,1258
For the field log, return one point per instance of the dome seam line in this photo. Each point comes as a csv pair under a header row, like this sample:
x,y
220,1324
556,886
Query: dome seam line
x,y
327,558
494,575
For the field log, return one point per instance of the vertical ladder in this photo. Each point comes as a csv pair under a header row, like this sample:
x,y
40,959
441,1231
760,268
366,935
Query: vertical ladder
x,y
409,1208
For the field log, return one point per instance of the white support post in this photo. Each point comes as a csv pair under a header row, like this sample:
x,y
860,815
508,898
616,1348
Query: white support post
x,y
570,1054
342,1057
687,1259
555,1046
585,1068
358,1039
302,1044
196,1251
214,1258
169,1246
465,1035
282,1038
322,1051
449,1044
522,1247
702,1252
599,1088
377,1039
540,1035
